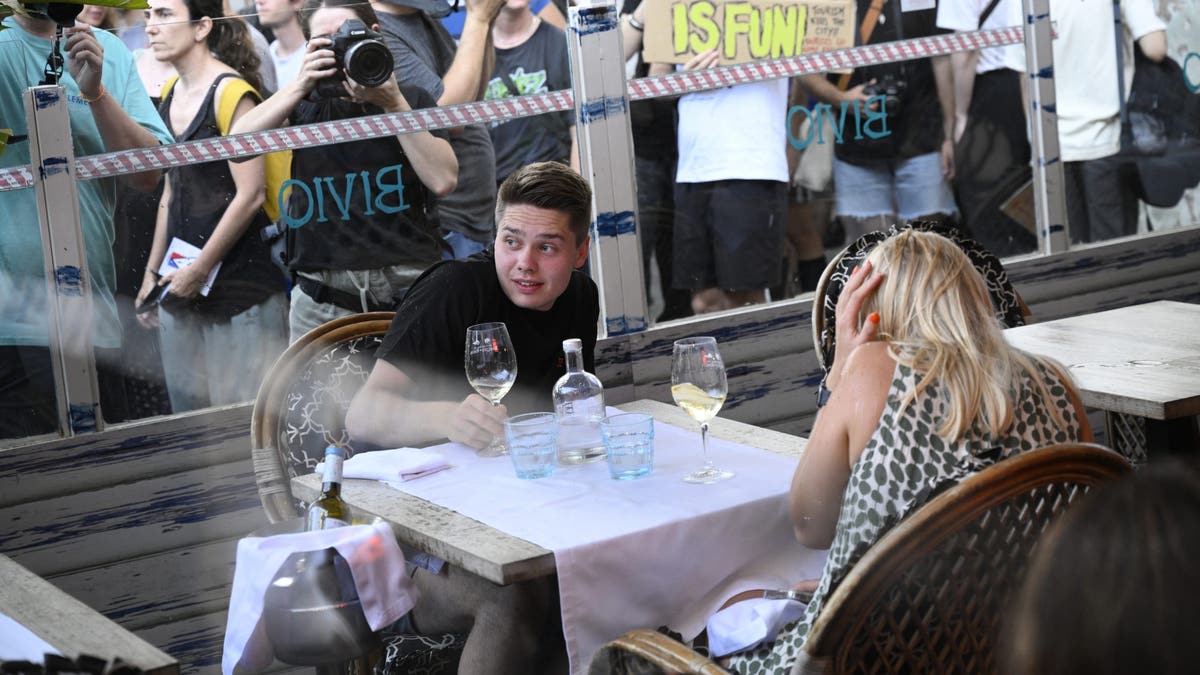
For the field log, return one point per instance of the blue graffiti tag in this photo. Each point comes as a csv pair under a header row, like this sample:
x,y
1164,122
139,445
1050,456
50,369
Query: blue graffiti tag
x,y
45,98
68,280
1187,78
863,116
82,417
387,182
52,166
610,223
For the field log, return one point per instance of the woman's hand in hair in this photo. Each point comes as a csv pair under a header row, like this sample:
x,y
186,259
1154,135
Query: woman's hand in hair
x,y
861,285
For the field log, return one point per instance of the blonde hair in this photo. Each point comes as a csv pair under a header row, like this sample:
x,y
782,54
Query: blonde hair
x,y
937,318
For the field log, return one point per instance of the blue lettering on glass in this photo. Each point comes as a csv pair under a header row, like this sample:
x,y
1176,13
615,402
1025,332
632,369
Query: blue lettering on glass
x,y
388,182
1187,78
822,113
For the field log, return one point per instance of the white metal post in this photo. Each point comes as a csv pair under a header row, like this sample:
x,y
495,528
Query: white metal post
x,y
1048,200
606,159
69,297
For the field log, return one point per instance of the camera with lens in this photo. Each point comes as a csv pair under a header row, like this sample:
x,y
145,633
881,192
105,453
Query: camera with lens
x,y
358,53
892,89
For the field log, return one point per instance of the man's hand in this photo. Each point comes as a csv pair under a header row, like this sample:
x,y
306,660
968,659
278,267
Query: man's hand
x,y
85,60
948,160
476,422
486,10
702,60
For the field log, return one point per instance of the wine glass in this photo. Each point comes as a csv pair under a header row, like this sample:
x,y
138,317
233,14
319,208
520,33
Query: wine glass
x,y
491,366
698,386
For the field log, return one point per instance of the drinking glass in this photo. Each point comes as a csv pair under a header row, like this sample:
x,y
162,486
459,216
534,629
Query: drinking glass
x,y
491,366
698,386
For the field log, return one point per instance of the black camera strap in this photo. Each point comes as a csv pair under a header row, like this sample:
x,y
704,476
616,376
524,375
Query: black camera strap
x,y
63,15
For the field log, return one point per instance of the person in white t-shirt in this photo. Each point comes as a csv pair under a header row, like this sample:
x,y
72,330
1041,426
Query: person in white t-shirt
x,y
991,145
1101,203
287,51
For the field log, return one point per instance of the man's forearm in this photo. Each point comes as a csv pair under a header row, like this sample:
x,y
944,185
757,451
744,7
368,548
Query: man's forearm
x,y
473,63
393,421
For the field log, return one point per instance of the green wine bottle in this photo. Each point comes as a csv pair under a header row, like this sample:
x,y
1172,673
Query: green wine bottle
x,y
329,511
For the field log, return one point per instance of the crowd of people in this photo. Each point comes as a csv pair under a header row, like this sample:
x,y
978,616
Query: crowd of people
x,y
725,217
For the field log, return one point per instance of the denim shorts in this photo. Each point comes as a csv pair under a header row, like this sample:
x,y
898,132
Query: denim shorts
x,y
905,187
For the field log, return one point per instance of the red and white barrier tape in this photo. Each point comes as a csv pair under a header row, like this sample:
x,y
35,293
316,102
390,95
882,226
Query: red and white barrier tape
x,y
376,126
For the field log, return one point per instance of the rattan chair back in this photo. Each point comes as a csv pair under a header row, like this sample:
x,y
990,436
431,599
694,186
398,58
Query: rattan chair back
x,y
930,596
1011,310
301,405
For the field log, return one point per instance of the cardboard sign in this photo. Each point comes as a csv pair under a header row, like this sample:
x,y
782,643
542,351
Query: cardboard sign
x,y
746,30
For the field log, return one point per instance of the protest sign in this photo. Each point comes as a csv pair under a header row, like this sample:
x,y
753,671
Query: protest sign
x,y
745,30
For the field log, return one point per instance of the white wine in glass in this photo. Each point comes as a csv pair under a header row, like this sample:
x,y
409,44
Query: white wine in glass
x,y
698,385
491,366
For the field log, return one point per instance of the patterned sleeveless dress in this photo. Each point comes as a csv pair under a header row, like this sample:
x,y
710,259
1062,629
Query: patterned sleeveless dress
x,y
904,465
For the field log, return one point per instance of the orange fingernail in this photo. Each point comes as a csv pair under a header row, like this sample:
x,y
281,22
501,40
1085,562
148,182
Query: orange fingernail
x,y
874,317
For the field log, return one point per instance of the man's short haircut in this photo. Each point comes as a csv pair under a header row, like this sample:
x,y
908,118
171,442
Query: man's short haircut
x,y
549,185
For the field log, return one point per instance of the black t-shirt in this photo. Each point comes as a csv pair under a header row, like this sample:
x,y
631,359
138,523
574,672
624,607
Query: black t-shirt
x,y
358,205
427,338
536,66
917,129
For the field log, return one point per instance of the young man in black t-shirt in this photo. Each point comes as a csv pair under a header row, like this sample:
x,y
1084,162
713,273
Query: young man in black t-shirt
x,y
418,392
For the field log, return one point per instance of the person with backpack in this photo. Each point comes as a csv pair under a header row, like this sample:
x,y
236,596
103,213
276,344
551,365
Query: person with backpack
x,y
219,302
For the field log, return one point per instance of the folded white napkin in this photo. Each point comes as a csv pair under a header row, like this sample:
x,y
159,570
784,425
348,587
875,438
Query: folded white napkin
x,y
393,465
376,564
744,624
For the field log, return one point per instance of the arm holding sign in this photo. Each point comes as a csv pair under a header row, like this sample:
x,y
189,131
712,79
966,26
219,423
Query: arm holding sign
x,y
633,29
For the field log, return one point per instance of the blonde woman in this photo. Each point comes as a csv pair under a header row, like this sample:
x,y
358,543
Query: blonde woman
x,y
925,392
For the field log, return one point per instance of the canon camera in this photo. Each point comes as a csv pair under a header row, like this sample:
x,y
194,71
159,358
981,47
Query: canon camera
x,y
891,89
358,53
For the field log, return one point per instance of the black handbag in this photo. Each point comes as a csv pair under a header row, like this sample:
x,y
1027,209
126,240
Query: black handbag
x,y
1160,126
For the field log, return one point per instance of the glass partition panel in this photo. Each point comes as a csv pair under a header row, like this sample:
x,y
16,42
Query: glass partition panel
x,y
1128,116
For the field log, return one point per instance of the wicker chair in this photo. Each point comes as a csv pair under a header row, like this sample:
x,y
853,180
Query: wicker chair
x,y
300,410
928,597
1010,308
301,406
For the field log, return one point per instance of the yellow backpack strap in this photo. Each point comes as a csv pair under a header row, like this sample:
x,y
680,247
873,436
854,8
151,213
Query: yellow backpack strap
x,y
278,165
166,88
231,95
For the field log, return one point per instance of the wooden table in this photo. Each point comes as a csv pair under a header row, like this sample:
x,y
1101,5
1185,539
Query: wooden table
x,y
1140,364
483,550
70,626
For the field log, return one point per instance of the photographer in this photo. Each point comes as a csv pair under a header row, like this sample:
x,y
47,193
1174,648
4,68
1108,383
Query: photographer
x,y
358,216
905,173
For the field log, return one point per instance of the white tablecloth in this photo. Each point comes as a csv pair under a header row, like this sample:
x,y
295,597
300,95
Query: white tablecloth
x,y
642,553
